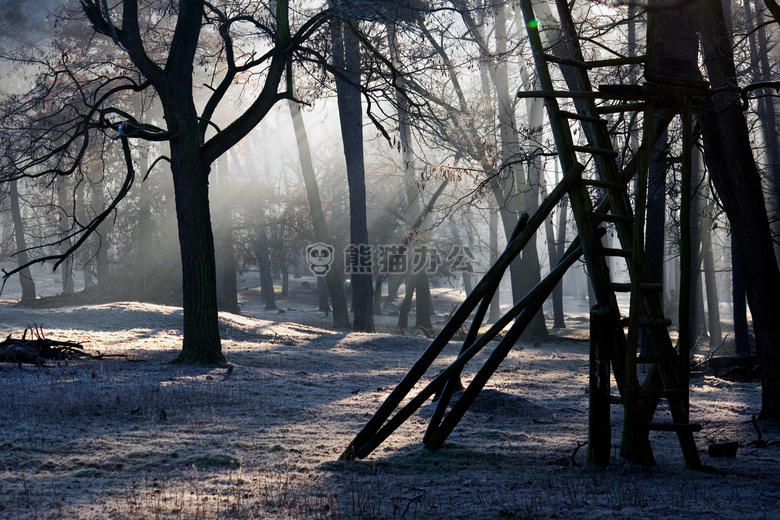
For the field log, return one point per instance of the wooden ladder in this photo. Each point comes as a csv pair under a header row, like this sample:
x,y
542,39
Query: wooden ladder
x,y
667,376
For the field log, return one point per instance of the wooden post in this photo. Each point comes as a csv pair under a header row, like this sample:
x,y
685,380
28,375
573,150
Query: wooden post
x,y
632,444
602,327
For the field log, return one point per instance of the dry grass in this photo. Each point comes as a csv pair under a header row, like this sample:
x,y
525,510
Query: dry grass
x,y
139,438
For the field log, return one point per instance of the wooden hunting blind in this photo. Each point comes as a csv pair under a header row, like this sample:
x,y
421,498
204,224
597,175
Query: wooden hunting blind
x,y
672,80
672,43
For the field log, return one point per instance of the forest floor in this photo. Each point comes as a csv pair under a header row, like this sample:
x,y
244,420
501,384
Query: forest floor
x,y
135,437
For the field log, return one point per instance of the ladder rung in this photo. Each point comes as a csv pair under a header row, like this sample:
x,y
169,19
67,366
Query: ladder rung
x,y
608,251
614,62
621,107
647,360
661,393
587,65
615,219
598,183
626,287
673,427
594,150
581,117
565,61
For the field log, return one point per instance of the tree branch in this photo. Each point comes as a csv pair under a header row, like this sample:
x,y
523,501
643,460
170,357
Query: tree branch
x,y
89,228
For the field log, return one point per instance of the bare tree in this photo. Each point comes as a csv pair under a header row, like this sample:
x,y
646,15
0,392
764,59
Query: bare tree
x,y
730,160
161,56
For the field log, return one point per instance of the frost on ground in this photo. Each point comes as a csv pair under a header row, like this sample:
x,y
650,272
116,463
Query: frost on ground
x,y
135,437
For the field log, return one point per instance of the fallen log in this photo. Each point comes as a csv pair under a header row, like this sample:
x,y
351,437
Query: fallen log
x,y
740,360
38,349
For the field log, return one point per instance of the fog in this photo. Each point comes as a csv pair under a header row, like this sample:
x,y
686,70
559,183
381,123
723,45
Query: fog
x,y
257,188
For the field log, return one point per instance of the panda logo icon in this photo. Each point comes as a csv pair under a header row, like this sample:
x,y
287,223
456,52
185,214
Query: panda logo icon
x,y
320,257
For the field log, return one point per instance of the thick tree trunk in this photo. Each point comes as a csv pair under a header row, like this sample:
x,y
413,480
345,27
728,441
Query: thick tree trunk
x,y
201,342
737,180
25,277
346,53
762,71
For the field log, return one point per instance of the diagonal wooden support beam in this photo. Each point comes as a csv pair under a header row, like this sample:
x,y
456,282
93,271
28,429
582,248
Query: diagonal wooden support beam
x,y
528,306
572,176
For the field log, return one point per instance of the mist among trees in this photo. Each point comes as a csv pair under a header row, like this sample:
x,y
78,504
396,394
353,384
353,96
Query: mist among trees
x,y
378,158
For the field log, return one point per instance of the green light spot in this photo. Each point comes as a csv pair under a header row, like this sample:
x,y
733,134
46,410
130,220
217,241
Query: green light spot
x,y
533,24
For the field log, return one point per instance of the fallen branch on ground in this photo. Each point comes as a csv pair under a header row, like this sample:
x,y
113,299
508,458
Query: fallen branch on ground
x,y
38,349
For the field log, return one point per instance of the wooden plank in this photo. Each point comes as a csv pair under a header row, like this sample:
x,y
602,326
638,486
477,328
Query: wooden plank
x,y
602,328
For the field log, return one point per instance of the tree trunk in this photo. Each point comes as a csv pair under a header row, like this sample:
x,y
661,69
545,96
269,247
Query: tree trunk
x,y
82,215
495,303
378,295
423,308
25,277
266,270
224,253
406,303
101,262
143,231
66,267
322,295
519,193
332,277
737,180
201,343
457,239
739,300
696,317
555,251
762,71
413,190
560,245
710,283
346,56
285,292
